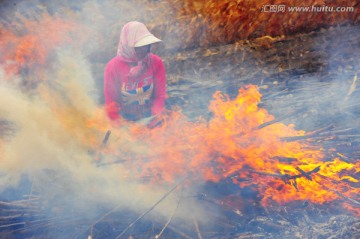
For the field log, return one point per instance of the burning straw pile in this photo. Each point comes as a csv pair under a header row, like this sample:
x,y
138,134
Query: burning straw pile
x,y
261,139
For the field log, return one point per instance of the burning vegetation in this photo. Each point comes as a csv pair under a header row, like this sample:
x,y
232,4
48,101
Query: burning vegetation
x,y
223,22
261,138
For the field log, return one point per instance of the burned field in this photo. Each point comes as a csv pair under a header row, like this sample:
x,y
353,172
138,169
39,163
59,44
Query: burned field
x,y
261,139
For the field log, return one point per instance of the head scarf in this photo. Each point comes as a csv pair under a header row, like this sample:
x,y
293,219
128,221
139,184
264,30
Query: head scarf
x,y
130,34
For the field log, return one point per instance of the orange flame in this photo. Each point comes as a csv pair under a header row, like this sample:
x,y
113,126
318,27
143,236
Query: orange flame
x,y
232,145
29,43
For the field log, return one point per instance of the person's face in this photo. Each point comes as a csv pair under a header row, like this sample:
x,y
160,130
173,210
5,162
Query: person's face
x,y
142,51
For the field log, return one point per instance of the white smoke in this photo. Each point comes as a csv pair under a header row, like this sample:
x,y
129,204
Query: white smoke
x,y
48,147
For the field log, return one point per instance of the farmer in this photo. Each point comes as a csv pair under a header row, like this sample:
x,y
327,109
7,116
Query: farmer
x,y
135,79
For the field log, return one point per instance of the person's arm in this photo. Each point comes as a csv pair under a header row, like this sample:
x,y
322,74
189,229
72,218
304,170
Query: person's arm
x,y
159,89
111,93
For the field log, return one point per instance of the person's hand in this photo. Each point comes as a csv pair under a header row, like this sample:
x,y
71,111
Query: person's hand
x,y
116,123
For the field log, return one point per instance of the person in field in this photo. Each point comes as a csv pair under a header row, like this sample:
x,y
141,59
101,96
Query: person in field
x,y
135,79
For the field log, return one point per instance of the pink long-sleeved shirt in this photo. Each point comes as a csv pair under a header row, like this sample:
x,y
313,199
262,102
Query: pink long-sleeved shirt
x,y
134,97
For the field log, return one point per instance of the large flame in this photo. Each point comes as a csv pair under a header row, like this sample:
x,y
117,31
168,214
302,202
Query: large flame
x,y
232,144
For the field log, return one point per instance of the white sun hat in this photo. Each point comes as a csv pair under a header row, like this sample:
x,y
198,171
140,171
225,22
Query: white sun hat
x,y
147,40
